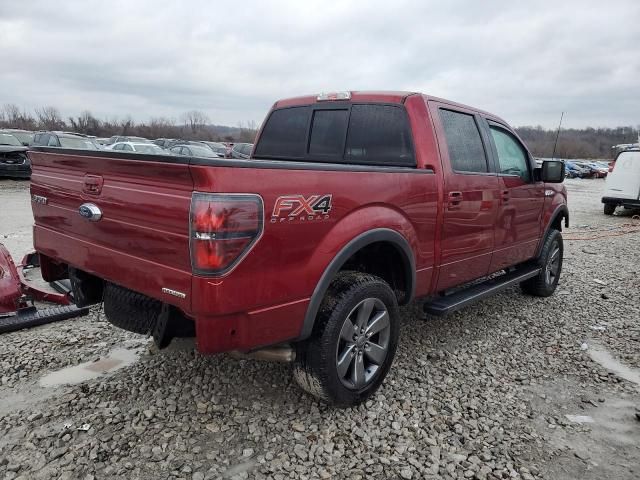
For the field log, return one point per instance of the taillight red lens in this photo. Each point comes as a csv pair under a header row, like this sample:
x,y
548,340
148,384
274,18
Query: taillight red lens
x,y
223,229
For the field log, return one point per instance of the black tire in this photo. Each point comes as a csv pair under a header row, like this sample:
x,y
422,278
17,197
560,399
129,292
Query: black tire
x,y
316,366
609,208
545,283
130,310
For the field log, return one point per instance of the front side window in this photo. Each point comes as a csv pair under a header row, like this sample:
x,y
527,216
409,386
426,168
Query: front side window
x,y
466,152
512,157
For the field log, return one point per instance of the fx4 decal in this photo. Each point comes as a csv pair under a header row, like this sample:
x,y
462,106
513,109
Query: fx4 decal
x,y
289,208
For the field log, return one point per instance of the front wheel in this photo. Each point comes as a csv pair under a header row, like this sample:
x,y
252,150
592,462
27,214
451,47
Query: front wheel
x,y
550,261
609,208
353,343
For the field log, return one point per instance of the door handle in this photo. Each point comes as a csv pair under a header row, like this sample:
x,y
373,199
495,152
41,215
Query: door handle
x,y
455,199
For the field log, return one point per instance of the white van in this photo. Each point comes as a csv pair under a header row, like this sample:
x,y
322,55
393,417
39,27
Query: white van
x,y
623,183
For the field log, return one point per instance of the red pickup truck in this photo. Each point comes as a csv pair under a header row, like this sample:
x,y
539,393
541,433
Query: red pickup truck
x,y
351,204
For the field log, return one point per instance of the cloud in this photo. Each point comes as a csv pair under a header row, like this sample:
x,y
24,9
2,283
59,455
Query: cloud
x,y
525,61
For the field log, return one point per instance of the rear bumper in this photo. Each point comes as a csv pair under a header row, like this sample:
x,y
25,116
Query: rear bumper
x,y
135,273
206,300
625,202
15,170
250,330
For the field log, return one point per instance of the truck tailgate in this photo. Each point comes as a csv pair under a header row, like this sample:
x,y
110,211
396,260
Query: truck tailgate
x,y
141,240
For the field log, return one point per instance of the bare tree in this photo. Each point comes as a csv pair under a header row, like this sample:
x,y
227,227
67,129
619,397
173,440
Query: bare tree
x,y
194,120
15,118
248,131
126,125
49,118
85,123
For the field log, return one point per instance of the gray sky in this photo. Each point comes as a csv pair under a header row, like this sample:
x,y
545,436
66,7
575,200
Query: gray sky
x,y
525,61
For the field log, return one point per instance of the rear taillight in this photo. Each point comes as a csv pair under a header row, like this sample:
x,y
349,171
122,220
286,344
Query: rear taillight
x,y
224,227
611,166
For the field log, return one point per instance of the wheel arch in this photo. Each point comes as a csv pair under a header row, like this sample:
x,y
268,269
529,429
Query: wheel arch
x,y
376,236
559,216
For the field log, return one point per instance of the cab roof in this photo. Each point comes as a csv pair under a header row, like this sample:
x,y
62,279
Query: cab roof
x,y
376,96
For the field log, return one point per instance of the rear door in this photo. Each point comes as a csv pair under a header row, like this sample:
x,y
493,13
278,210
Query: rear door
x,y
521,199
470,196
624,181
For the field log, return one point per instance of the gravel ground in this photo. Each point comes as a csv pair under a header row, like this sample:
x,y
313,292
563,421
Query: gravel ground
x,y
481,394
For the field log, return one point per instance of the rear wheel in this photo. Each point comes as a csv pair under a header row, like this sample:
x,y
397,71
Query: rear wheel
x,y
550,261
609,208
353,343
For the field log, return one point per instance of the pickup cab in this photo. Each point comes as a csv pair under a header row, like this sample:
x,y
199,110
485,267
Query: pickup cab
x,y
350,204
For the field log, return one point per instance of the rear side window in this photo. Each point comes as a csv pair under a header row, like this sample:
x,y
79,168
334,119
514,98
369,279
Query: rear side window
x,y
379,134
466,151
285,133
370,134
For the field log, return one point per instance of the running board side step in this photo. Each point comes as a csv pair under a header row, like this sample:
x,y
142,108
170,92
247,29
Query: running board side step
x,y
32,317
450,303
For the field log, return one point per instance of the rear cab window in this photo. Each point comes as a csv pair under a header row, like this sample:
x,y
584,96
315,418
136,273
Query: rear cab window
x,y
346,133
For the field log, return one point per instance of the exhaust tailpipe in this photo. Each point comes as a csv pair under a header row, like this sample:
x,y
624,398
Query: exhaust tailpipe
x,y
285,354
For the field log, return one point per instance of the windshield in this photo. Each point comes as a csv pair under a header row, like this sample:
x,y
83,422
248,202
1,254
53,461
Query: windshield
x,y
79,143
201,151
6,139
23,137
150,148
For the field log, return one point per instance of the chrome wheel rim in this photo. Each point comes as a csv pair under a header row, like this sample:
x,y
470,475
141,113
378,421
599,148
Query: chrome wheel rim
x,y
552,268
363,344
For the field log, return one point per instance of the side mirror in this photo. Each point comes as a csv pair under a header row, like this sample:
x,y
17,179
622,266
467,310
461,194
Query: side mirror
x,y
553,171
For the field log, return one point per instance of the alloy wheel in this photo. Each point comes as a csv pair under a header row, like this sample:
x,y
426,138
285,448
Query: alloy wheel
x,y
363,344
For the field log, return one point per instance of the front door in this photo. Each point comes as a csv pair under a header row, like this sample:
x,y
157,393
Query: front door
x,y
470,196
518,225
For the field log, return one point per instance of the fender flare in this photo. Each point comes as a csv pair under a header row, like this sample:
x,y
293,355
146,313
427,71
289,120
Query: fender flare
x,y
560,210
359,242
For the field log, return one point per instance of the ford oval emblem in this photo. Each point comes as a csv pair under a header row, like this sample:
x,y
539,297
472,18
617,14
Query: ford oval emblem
x,y
90,211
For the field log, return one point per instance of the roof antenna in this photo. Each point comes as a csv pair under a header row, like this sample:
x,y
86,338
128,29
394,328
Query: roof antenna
x,y
557,135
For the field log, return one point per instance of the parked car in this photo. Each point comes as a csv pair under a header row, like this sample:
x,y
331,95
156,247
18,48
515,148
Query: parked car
x,y
25,136
65,140
148,148
575,171
193,150
623,182
121,138
13,157
165,142
241,150
594,169
220,148
350,205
